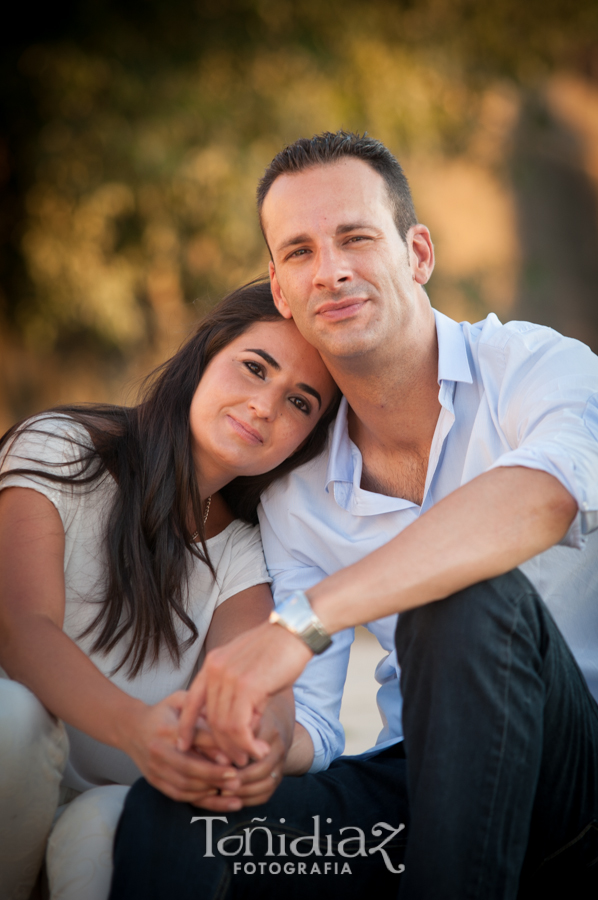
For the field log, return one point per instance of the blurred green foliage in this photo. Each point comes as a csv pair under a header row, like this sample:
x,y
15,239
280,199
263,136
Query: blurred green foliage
x,y
134,132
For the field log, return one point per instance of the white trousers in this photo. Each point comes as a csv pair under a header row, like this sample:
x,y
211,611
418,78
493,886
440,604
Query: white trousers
x,y
76,837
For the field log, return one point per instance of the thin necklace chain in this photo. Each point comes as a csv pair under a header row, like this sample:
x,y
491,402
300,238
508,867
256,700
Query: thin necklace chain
x,y
206,513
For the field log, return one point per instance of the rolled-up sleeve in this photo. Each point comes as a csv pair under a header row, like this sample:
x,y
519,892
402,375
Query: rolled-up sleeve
x,y
319,690
546,404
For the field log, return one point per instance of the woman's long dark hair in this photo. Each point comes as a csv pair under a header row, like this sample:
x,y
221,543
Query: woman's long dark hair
x,y
147,449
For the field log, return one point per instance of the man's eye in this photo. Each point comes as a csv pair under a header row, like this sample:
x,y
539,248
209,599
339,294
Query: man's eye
x,y
300,252
255,368
301,405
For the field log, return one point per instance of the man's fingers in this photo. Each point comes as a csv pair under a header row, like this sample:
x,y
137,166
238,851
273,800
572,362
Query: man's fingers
x,y
229,710
218,712
194,701
240,744
178,699
240,677
236,721
214,754
203,742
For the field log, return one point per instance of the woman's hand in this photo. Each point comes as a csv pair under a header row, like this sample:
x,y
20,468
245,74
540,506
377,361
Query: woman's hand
x,y
150,740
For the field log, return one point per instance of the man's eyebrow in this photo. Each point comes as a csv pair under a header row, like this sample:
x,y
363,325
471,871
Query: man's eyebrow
x,y
354,226
342,229
292,242
265,356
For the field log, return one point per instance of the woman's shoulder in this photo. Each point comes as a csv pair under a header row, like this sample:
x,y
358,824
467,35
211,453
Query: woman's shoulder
x,y
238,557
48,438
52,425
51,453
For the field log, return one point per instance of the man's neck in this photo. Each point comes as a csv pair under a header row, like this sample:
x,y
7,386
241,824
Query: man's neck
x,y
393,393
394,407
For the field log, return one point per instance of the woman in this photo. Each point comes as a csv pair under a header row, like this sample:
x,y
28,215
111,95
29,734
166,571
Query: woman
x,y
127,549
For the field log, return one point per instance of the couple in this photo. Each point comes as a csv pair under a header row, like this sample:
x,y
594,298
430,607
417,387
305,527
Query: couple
x,y
459,453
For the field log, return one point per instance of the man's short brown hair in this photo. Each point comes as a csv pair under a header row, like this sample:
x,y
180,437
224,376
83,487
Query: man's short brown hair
x,y
328,147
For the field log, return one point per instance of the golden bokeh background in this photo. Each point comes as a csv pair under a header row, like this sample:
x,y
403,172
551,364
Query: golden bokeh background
x,y
133,135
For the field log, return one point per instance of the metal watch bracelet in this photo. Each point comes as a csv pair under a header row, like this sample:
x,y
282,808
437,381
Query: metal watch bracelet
x,y
296,615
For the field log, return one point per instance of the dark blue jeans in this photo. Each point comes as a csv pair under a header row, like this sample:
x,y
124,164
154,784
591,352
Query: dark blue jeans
x,y
501,740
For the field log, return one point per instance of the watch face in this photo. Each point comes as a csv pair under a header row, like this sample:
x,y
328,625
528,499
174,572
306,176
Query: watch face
x,y
296,615
316,638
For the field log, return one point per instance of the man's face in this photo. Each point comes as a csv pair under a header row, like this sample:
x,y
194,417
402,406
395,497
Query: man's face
x,y
340,267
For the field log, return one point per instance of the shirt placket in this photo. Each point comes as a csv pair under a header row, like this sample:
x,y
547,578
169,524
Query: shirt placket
x,y
446,420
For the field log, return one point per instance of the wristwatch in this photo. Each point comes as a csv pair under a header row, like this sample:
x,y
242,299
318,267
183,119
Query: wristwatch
x,y
296,615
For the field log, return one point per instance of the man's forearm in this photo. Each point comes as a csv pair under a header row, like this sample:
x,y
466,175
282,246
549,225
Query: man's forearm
x,y
485,528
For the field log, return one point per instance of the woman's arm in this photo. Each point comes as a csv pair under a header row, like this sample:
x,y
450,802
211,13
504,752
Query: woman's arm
x,y
35,651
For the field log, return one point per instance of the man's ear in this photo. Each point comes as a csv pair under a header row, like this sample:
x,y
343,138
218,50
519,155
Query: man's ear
x,y
279,302
421,253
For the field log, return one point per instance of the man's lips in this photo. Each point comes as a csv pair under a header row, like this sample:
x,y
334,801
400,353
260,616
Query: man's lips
x,y
341,309
245,431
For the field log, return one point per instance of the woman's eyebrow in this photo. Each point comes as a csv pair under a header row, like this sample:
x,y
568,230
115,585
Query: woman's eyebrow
x,y
312,391
272,362
265,356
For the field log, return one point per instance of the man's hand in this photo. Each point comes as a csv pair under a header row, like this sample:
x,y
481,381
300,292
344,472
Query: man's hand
x,y
258,780
234,684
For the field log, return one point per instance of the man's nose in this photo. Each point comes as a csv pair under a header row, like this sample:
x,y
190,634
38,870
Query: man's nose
x,y
332,269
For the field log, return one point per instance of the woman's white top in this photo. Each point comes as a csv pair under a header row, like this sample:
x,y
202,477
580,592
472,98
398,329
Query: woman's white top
x,y
236,554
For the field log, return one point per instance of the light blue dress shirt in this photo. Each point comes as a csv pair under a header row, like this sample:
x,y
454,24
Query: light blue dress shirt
x,y
511,395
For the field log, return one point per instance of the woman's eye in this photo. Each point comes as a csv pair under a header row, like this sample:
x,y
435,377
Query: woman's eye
x,y
255,368
301,405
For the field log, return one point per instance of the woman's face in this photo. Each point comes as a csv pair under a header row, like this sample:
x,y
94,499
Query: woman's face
x,y
258,400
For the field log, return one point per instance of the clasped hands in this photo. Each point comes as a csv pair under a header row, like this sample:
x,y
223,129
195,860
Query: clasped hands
x,y
200,773
223,743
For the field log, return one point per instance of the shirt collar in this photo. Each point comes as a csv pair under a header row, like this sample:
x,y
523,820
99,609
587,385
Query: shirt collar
x,y
453,366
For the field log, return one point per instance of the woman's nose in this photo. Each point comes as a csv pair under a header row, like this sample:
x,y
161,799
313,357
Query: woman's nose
x,y
265,404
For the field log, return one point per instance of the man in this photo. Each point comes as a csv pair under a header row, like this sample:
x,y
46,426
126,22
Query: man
x,y
459,453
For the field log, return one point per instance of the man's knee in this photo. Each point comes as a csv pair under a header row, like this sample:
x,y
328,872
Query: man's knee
x,y
468,618
145,808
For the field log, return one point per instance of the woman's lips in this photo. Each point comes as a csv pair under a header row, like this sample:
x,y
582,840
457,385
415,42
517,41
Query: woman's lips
x,y
245,431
